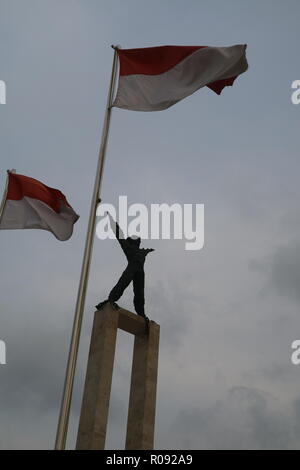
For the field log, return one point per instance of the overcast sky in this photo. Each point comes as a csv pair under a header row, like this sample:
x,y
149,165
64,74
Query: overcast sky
x,y
229,312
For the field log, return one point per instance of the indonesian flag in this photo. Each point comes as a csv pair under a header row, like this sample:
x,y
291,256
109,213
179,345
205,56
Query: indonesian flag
x,y
31,204
155,78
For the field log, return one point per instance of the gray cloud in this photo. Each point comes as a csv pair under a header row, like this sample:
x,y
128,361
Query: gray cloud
x,y
282,270
244,418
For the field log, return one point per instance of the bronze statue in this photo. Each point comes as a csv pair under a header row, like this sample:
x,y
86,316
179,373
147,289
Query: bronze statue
x,y
134,271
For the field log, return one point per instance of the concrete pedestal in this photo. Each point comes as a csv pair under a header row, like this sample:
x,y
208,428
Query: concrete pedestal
x,y
142,401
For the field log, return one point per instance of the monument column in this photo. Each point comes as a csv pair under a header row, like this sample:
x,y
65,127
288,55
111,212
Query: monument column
x,y
95,404
142,401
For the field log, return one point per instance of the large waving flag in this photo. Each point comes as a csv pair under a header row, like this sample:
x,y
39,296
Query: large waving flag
x,y
155,78
31,204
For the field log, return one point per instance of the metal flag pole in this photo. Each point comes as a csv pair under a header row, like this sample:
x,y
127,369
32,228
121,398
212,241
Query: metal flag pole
x,y
62,428
3,202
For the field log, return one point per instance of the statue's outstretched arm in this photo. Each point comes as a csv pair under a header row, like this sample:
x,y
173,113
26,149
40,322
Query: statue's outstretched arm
x,y
117,231
148,250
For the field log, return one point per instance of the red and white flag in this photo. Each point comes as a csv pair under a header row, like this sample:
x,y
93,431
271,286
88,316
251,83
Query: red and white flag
x,y
31,204
155,78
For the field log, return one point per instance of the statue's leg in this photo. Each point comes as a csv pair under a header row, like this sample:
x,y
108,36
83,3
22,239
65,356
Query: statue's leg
x,y
122,283
139,292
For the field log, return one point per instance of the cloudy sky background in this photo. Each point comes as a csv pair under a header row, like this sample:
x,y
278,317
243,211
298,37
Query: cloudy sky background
x,y
229,312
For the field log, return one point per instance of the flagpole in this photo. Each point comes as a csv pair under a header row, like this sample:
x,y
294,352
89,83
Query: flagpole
x,y
62,428
3,202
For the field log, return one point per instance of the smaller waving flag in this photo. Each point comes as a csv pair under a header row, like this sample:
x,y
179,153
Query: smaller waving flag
x,y
30,204
155,78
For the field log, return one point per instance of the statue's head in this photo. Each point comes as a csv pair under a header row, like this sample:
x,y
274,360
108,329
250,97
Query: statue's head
x,y
135,241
